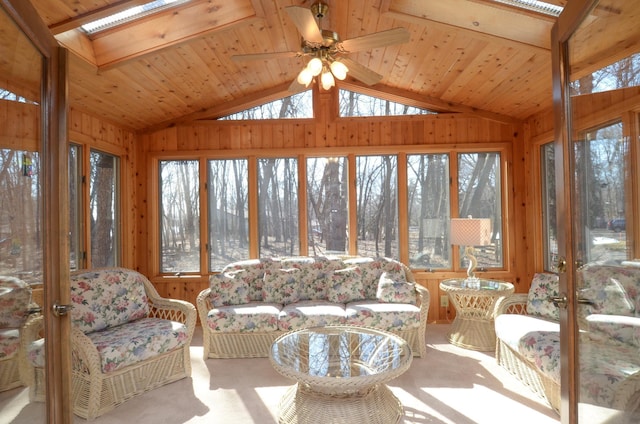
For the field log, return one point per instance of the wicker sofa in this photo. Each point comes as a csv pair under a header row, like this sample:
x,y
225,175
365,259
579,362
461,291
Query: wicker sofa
x,y
250,303
125,340
528,336
15,304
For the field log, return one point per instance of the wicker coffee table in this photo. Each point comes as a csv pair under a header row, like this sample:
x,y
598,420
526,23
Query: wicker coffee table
x,y
473,326
340,373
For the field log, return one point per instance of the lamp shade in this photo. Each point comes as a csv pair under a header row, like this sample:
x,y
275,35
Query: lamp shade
x,y
470,231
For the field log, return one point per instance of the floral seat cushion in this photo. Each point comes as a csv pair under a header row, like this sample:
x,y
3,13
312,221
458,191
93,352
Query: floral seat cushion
x,y
542,348
15,297
9,343
385,316
137,341
107,298
247,318
310,313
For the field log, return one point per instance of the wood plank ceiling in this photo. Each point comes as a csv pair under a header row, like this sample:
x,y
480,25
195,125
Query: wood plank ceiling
x,y
472,56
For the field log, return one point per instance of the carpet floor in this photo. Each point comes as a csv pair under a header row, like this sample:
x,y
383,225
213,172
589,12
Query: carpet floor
x,y
450,385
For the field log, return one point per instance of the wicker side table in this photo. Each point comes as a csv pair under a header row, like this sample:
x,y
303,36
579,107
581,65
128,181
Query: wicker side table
x,y
473,326
340,373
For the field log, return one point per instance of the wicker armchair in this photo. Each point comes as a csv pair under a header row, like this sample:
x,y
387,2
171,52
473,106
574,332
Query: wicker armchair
x,y
15,300
100,383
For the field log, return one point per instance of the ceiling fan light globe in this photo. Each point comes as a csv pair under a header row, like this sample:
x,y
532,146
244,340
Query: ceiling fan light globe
x,y
315,66
327,80
304,77
339,70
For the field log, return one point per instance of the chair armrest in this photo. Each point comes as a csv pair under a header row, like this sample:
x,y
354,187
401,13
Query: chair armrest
x,y
204,305
171,309
515,303
424,298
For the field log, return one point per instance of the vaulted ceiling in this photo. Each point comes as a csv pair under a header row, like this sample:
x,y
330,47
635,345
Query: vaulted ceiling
x,y
473,56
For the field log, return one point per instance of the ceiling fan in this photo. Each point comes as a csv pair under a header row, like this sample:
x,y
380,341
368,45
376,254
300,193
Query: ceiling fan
x,y
327,53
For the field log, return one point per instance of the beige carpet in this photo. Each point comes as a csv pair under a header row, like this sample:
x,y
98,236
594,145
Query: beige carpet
x,y
450,385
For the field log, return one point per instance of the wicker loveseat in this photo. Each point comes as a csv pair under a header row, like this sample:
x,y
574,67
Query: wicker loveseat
x,y
528,336
125,340
15,300
250,303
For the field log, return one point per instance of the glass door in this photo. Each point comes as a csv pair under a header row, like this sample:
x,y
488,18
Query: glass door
x,y
597,80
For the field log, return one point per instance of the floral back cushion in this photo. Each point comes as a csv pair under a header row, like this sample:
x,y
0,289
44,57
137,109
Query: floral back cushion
x,y
543,286
346,285
393,287
105,298
612,289
281,285
254,275
372,268
229,288
15,297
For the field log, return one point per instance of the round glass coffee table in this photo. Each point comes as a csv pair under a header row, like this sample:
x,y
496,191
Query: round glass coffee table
x,y
475,301
340,373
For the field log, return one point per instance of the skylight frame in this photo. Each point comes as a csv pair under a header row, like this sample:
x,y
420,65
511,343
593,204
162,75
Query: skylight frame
x,y
534,6
128,15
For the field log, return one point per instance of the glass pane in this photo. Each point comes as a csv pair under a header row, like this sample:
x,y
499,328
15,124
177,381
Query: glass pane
x,y
278,207
180,216
600,171
549,224
76,247
428,195
228,193
377,205
327,197
20,219
480,196
103,206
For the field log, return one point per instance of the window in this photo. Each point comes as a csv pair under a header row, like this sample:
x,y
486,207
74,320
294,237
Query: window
x,y
479,196
296,106
228,205
179,216
76,239
20,216
103,209
278,207
357,104
377,205
428,210
327,205
549,223
600,171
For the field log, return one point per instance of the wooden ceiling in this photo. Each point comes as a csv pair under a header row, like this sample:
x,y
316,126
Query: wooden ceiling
x,y
472,56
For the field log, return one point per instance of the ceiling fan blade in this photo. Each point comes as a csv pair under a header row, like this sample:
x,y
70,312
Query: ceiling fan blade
x,y
263,56
306,23
361,72
377,39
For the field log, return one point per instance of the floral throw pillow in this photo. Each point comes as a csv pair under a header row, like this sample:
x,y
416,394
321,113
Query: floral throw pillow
x,y
229,288
345,285
543,286
393,287
281,285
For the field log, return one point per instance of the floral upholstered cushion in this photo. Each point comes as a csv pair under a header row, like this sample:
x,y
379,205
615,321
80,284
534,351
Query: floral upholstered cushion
x,y
315,275
251,317
612,289
105,298
229,288
281,285
346,285
371,269
543,286
385,316
35,353
621,328
9,342
15,297
137,341
542,348
254,274
310,313
393,287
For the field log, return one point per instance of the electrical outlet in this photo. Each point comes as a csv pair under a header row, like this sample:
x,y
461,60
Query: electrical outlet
x,y
444,301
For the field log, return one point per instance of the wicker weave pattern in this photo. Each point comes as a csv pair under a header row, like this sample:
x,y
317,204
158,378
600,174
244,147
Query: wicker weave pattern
x,y
258,344
93,392
340,373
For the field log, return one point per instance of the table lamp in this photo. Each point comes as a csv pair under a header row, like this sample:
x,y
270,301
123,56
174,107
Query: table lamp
x,y
470,232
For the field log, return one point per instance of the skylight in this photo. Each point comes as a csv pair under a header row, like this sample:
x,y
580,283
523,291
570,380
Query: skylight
x,y
534,5
129,15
